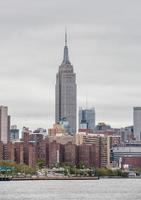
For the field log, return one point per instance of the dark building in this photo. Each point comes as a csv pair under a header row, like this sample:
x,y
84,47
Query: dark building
x,y
54,151
84,154
19,152
1,151
33,154
43,151
25,139
70,153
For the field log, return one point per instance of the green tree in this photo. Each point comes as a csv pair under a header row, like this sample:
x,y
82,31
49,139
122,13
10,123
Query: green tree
x,y
40,163
18,168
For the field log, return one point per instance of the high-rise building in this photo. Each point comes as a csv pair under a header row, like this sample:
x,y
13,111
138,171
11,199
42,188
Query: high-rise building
x,y
4,124
19,152
1,151
65,92
137,123
14,133
127,134
87,119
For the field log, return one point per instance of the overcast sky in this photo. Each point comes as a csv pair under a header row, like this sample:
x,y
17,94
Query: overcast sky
x,y
104,39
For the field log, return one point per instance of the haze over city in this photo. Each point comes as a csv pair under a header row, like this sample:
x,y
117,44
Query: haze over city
x,y
104,40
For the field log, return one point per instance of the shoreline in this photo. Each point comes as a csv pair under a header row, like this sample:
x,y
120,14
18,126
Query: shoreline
x,y
55,178
46,178
61,178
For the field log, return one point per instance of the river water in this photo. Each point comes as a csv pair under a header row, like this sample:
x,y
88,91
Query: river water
x,y
103,189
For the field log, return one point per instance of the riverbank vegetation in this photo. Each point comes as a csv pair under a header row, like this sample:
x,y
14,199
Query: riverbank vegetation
x,y
67,169
10,167
82,170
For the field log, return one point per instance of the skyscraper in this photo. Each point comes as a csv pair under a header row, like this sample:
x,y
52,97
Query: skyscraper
x,y
4,124
137,123
65,92
87,119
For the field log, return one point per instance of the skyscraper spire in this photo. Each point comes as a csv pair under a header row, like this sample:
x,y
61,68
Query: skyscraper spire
x,y
66,53
66,37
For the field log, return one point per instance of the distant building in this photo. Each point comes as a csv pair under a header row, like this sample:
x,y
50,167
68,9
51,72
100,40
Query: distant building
x,y
8,126
127,134
70,153
137,123
65,124
125,151
57,129
33,154
102,146
131,161
87,155
25,138
8,151
41,131
19,152
65,92
1,151
87,119
14,133
102,127
54,152
4,124
36,137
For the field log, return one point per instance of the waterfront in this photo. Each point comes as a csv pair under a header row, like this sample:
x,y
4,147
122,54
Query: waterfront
x,y
103,189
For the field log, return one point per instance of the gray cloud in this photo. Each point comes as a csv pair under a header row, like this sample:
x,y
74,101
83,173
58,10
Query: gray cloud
x,y
104,45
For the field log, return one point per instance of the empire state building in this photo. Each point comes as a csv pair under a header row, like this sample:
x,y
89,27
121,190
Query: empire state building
x,y
65,92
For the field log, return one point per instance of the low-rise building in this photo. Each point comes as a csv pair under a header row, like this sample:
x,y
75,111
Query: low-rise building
x,y
131,161
125,151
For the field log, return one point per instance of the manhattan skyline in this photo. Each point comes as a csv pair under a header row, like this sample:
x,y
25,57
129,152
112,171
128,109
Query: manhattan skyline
x,y
104,45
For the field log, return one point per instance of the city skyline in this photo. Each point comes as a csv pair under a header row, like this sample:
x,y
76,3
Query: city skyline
x,y
103,42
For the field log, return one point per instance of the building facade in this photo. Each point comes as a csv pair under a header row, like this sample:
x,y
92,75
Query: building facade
x,y
4,124
14,133
123,151
131,161
65,92
87,119
137,123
